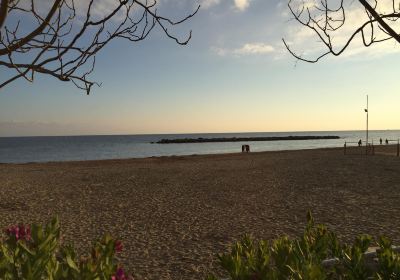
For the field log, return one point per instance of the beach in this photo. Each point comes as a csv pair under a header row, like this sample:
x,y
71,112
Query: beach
x,y
174,214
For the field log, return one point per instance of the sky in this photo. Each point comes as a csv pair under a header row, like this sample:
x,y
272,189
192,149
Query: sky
x,y
235,75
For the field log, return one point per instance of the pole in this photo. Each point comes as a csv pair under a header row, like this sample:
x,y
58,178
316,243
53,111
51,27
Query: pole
x,y
373,147
366,142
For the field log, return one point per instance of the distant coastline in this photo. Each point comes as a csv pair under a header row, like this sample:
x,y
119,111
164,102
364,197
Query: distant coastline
x,y
243,139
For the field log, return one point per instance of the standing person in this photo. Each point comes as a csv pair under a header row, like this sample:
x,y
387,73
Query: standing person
x,y
386,141
359,143
380,140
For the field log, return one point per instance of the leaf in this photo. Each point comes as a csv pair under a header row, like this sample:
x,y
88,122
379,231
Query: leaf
x,y
46,241
71,263
23,246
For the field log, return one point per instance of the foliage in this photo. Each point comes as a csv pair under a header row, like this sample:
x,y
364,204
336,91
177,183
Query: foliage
x,y
35,252
389,261
315,255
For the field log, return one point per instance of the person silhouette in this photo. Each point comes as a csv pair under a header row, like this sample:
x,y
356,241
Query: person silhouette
x,y
359,143
380,140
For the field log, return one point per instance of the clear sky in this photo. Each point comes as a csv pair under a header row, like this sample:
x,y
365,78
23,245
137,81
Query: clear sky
x,y
234,76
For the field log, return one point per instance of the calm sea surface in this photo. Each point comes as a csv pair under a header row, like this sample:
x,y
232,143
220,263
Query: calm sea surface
x,y
67,148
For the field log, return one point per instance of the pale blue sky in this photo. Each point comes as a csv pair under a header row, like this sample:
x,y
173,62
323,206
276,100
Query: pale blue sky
x,y
233,76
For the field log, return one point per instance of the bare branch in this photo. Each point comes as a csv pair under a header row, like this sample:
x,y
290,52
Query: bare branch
x,y
325,20
379,18
34,33
3,11
65,41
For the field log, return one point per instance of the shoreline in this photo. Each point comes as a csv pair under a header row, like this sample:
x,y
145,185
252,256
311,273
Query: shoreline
x,y
170,156
81,148
390,146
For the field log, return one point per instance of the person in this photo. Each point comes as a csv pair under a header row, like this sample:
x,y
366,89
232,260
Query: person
x,y
386,141
243,148
380,140
359,143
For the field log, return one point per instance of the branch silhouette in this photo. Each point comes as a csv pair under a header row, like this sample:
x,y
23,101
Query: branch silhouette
x,y
66,36
326,17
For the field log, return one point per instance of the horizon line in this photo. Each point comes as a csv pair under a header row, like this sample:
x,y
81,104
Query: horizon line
x,y
191,133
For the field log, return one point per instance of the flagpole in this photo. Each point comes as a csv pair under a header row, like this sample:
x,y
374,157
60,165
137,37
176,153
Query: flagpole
x,y
366,142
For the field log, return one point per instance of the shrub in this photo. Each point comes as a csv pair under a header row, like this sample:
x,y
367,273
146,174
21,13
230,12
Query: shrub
x,y
305,257
35,252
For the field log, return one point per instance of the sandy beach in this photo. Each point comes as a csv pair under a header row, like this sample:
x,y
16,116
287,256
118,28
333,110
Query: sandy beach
x,y
173,214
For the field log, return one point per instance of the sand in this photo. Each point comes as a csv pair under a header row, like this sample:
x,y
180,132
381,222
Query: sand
x,y
174,214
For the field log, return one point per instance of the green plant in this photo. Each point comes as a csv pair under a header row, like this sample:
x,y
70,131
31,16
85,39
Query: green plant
x,y
36,253
388,260
315,255
352,259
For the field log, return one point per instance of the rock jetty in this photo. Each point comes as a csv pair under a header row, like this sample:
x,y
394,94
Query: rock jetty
x,y
242,139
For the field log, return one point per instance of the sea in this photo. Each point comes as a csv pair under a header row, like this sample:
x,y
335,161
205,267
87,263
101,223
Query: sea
x,y
79,148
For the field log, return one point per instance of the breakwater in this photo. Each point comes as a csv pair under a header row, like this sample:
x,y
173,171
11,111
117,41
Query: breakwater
x,y
243,139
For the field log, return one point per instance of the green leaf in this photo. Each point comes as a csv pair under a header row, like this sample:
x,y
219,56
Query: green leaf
x,y
71,263
26,249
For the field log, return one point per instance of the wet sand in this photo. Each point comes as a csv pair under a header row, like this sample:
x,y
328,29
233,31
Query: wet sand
x,y
174,214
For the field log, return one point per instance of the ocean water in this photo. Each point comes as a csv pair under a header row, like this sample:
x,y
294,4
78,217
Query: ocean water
x,y
71,148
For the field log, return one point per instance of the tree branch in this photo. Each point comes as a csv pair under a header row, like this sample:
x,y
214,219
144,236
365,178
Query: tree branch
x,y
324,21
3,12
379,18
34,33
66,41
